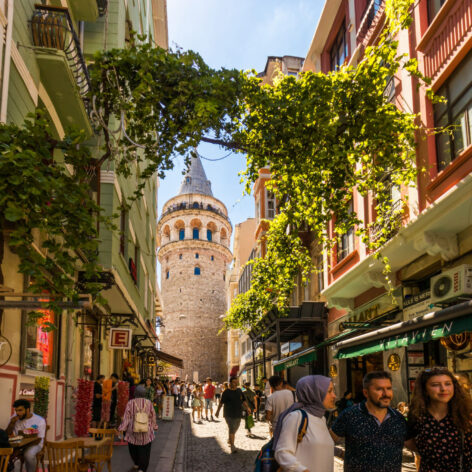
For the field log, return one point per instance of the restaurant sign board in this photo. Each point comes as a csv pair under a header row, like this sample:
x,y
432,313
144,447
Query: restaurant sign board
x,y
120,338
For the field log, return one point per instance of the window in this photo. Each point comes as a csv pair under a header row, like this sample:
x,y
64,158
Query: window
x,y
40,344
339,51
181,234
167,274
212,258
195,205
236,349
258,210
346,243
180,256
196,271
209,234
196,255
196,233
137,255
433,8
320,272
456,112
188,180
270,205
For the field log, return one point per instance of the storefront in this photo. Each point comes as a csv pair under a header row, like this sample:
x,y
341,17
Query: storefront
x,y
406,348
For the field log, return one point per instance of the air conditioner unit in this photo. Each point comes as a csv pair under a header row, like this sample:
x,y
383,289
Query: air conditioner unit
x,y
452,284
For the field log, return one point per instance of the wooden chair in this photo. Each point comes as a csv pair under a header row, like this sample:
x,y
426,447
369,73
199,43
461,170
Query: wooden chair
x,y
5,453
101,454
40,455
64,456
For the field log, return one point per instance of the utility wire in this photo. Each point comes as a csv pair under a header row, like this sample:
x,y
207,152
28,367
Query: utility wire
x,y
214,160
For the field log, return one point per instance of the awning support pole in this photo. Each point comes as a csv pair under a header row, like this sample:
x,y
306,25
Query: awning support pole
x,y
277,328
253,363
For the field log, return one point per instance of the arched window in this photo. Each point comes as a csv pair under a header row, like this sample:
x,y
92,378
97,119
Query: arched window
x,y
209,234
195,205
167,274
181,234
196,255
212,258
196,233
196,271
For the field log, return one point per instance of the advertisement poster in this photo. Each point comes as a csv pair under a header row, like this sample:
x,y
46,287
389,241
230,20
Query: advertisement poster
x,y
168,408
415,358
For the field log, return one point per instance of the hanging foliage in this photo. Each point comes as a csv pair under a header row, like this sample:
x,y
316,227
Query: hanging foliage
x,y
41,396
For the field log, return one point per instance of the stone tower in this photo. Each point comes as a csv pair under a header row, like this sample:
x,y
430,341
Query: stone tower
x,y
194,234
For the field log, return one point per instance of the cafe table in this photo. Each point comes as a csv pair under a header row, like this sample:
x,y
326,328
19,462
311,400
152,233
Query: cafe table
x,y
20,445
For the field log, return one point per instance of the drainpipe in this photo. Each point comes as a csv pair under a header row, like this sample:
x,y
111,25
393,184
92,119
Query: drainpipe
x,y
6,69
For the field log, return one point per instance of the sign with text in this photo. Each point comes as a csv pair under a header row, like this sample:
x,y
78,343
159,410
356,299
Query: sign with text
x,y
168,408
26,390
120,338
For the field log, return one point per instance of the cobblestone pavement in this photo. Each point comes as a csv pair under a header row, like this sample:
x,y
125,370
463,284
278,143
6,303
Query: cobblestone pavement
x,y
206,447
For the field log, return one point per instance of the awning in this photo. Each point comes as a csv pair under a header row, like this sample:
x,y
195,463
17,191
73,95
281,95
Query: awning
x,y
303,357
452,320
175,361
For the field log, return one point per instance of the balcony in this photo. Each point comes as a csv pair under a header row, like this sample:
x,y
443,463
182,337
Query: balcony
x,y
370,19
194,206
61,64
443,40
395,218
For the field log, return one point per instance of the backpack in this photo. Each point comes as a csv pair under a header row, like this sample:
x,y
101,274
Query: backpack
x,y
265,460
141,422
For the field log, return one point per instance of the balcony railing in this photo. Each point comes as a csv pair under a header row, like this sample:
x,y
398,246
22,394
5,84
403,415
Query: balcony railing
x,y
448,31
370,14
394,223
52,28
193,206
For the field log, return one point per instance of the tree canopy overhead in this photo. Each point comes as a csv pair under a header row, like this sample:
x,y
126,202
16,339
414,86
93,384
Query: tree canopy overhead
x,y
324,137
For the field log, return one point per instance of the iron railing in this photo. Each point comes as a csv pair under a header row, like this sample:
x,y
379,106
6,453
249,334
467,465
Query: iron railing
x,y
193,206
392,225
52,28
368,17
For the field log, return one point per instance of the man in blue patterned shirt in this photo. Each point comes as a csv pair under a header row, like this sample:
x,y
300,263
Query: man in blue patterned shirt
x,y
374,432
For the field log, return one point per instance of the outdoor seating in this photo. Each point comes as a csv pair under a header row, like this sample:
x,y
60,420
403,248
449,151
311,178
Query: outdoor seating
x,y
101,454
5,453
63,456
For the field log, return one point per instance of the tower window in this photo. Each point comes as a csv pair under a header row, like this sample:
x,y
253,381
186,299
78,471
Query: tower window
x,y
209,234
196,255
196,271
180,256
196,205
196,233
212,258
188,180
167,274
181,234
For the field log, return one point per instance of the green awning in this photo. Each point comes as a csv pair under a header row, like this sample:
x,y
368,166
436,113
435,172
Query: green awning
x,y
414,336
299,358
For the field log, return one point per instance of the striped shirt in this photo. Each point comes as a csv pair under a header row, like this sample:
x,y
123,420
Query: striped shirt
x,y
132,407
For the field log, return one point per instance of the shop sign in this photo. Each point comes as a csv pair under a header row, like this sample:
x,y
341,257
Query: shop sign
x,y
394,362
120,338
418,305
302,359
372,310
26,390
285,348
168,408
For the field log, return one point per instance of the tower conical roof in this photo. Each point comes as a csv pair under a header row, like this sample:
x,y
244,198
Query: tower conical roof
x,y
195,180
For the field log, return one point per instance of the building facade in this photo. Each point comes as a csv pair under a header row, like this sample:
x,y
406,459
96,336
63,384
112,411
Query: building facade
x,y
194,236
45,66
427,320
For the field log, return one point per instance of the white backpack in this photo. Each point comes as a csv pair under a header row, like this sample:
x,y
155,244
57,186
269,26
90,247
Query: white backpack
x,y
141,422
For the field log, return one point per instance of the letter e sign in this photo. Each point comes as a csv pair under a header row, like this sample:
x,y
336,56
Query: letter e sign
x,y
120,338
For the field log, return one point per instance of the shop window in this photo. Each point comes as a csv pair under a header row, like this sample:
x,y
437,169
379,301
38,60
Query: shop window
x,y
41,343
196,271
196,233
457,113
339,50
433,8
181,234
209,234
270,205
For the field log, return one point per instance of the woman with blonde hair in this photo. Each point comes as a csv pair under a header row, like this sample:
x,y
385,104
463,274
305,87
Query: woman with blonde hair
x,y
439,422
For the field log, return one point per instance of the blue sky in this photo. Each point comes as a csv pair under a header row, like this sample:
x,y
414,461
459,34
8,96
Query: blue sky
x,y
236,34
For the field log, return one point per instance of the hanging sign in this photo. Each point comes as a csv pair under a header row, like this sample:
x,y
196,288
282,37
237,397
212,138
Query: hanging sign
x,y
168,407
120,338
394,362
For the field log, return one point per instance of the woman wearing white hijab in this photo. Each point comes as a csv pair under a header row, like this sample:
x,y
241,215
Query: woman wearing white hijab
x,y
315,453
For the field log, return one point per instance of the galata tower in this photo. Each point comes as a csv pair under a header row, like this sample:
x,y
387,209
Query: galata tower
x,y
194,235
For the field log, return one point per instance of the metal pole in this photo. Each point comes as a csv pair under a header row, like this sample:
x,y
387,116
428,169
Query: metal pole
x,y
253,363
277,330
264,359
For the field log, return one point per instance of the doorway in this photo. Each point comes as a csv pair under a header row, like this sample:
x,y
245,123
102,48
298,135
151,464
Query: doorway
x,y
357,367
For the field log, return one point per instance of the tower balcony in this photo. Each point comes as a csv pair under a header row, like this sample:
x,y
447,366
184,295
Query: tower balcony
x,y
62,66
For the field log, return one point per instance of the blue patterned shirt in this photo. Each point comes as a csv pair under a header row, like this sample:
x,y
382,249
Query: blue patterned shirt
x,y
371,446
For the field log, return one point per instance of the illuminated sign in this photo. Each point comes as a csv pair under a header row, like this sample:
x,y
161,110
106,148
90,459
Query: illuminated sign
x,y
120,338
